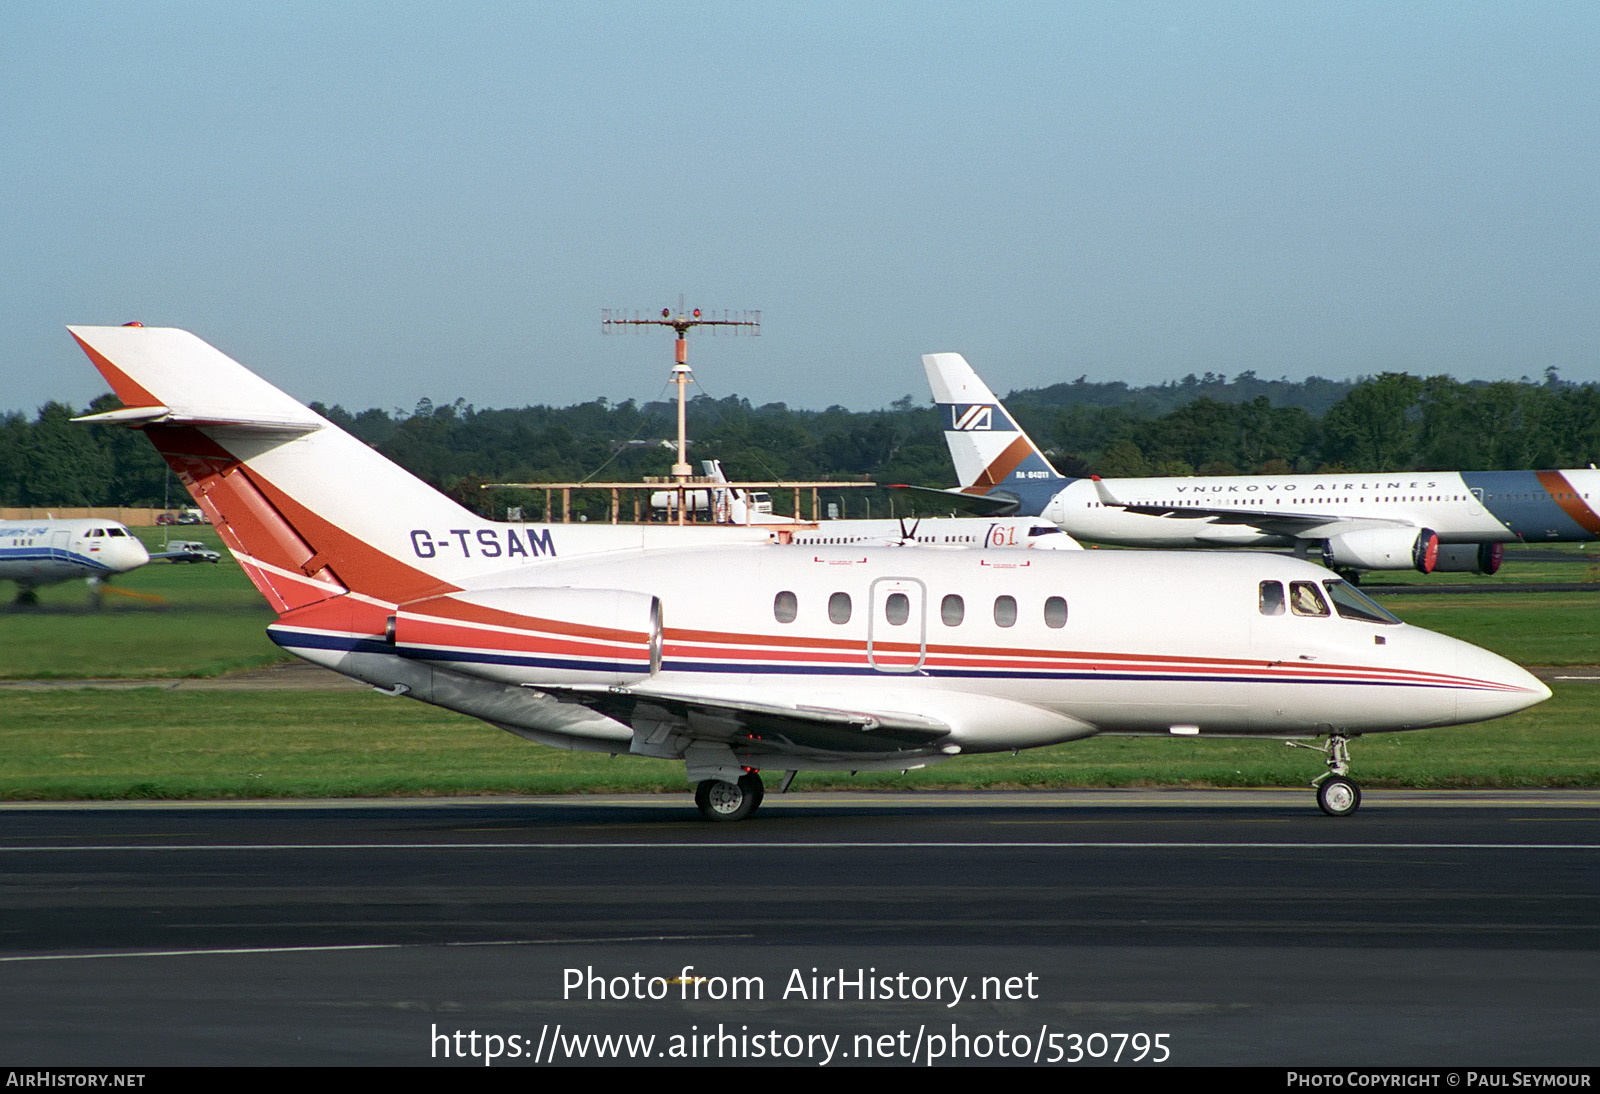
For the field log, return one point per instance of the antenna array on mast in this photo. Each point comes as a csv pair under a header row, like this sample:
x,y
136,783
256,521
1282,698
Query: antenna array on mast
x,y
745,322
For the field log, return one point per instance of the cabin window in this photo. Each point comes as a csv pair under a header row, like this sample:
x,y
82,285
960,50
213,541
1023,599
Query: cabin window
x,y
897,609
1005,611
1305,598
1352,603
1055,612
952,610
785,606
839,608
1272,598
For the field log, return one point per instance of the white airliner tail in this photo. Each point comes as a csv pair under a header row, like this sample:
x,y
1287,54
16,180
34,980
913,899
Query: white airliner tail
x,y
992,455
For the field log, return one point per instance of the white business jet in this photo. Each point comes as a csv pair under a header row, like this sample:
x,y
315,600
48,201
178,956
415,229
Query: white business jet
x,y
695,646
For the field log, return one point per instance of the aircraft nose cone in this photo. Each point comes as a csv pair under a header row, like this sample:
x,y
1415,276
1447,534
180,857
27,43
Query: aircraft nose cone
x,y
134,555
1507,688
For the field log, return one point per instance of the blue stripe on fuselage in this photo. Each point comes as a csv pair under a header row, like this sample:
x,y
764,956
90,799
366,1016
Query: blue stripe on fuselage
x,y
51,554
292,640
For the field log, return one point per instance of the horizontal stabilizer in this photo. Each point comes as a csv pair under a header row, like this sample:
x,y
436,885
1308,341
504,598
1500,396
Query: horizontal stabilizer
x,y
138,416
177,379
998,504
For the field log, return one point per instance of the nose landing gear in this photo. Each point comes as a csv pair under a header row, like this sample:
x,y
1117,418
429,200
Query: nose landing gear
x,y
1337,793
1338,796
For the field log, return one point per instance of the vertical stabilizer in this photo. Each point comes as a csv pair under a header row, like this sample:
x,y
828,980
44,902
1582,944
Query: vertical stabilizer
x,y
991,453
309,511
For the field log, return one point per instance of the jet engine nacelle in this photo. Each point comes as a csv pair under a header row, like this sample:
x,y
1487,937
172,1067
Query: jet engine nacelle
x,y
1467,558
1383,549
528,636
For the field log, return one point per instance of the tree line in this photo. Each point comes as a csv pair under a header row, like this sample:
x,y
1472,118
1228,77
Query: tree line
x,y
1202,425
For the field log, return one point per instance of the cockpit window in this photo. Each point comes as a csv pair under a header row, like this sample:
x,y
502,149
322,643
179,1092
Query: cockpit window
x,y
1272,598
115,532
1305,598
1352,603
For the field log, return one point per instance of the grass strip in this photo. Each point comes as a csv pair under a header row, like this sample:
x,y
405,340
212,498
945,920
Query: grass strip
x,y
155,743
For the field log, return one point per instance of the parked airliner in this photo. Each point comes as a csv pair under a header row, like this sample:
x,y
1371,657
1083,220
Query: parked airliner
x,y
1423,520
43,552
709,647
724,503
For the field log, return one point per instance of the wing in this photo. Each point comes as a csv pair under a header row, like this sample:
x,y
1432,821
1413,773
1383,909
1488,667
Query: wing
x,y
756,728
1273,522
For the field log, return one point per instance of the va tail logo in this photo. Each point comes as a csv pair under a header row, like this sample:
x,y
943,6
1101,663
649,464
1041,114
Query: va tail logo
x,y
968,419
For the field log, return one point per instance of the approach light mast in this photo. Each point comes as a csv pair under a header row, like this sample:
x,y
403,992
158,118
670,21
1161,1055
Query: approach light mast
x,y
748,322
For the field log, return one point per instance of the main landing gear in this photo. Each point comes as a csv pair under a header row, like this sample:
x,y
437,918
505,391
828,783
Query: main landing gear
x,y
725,801
1337,793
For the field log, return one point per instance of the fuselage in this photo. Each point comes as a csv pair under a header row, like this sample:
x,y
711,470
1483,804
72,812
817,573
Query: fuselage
x,y
1460,506
1009,650
40,552
1036,533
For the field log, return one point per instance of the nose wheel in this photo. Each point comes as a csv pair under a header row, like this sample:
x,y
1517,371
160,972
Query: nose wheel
x,y
1338,796
720,800
1337,793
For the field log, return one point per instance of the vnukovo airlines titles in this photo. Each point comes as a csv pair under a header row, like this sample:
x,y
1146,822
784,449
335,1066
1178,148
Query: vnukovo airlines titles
x,y
1443,520
714,648
41,552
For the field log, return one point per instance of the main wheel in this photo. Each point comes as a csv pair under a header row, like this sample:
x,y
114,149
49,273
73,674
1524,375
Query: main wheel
x,y
1338,796
753,785
725,801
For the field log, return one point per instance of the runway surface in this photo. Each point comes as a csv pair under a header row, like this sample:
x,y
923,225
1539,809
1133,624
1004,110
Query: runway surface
x,y
1441,928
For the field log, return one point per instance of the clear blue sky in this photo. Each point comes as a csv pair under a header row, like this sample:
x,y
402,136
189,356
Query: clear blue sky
x,y
374,202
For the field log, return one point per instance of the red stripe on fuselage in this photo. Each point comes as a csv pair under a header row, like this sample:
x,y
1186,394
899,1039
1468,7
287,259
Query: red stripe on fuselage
x,y
449,608
759,650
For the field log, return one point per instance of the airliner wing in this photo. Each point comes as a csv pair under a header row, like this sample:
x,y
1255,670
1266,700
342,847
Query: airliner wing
x,y
1272,522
